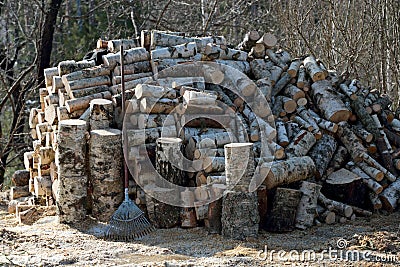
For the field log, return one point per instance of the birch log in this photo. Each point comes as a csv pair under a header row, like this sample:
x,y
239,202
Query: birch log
x,y
130,56
71,162
313,69
307,207
105,160
239,164
332,108
287,171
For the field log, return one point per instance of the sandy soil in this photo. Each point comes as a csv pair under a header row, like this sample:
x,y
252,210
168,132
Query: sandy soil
x,y
47,243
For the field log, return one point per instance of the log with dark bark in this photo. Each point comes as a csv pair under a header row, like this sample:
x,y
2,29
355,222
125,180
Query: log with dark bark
x,y
284,208
345,186
240,216
321,153
351,142
169,161
20,177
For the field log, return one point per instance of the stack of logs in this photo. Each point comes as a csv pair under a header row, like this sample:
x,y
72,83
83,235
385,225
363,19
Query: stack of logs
x,y
334,143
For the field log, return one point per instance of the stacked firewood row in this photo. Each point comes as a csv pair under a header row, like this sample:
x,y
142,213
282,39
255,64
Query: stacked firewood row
x,y
323,146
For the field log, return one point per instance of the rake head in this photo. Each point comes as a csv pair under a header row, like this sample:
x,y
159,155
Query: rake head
x,y
128,223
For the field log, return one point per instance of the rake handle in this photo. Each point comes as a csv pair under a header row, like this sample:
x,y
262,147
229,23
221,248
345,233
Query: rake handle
x,y
126,174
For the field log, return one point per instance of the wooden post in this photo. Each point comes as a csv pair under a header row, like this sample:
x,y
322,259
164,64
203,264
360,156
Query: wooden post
x,y
71,161
105,161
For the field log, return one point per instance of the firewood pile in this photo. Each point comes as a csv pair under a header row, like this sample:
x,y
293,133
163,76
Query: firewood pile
x,y
324,148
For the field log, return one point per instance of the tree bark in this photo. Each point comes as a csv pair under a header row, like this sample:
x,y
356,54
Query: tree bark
x,y
321,153
307,207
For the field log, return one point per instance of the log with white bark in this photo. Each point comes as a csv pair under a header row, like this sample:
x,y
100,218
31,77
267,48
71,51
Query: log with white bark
x,y
84,102
71,161
87,91
154,91
305,115
313,69
363,134
240,217
257,51
281,83
339,207
101,114
131,77
179,51
216,179
105,161
149,135
239,164
345,89
261,68
115,45
390,196
33,118
282,217
366,119
372,162
287,171
86,73
322,153
301,77
199,98
87,82
294,92
332,108
42,186
306,210
135,67
249,40
240,65
157,105
371,171
294,68
265,86
274,58
69,66
367,179
301,144
268,40
324,124
213,51
130,56
282,136
48,75
50,114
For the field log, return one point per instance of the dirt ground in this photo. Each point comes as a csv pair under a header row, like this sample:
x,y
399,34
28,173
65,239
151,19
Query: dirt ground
x,y
47,243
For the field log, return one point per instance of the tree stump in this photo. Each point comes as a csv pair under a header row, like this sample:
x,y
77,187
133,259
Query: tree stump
x,y
284,208
346,187
71,162
105,160
239,164
240,216
101,114
169,161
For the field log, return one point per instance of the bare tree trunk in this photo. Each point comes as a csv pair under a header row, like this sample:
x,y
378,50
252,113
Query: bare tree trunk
x,y
46,39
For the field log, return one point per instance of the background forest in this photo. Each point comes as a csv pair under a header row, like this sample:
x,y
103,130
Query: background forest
x,y
359,38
